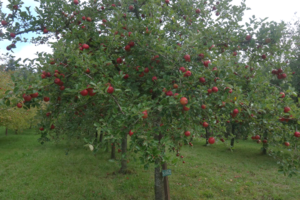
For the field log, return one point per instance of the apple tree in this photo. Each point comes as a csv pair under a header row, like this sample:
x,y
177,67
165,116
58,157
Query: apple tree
x,y
158,71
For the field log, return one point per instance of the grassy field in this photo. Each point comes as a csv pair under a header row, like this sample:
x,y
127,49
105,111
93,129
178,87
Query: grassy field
x,y
29,170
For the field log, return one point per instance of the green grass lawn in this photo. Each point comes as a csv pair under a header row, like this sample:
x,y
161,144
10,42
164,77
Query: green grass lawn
x,y
29,170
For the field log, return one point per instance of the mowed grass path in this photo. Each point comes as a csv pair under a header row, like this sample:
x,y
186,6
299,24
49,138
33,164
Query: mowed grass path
x,y
29,170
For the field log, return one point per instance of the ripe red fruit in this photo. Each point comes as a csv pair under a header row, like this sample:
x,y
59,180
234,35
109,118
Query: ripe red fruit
x,y
263,56
287,144
182,69
146,70
167,1
145,114
119,60
183,101
130,133
197,11
57,81
131,7
131,44
45,30
41,128
205,124
211,140
265,141
104,20
84,92
76,2
222,140
52,127
83,18
87,71
27,98
187,74
283,95
187,58
248,37
4,23
257,137
258,141
202,80
280,70
274,71
215,89
175,86
13,35
46,99
297,134
62,87
34,95
48,114
110,90
154,78
203,106
186,108
287,109
206,62
19,105
85,46
234,53
209,91
127,48
283,75
169,93
187,133
235,111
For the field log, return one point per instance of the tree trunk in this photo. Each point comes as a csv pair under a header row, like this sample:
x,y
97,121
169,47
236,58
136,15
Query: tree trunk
x,y
101,137
6,131
158,187
206,136
166,184
232,139
265,145
123,158
96,137
113,151
16,132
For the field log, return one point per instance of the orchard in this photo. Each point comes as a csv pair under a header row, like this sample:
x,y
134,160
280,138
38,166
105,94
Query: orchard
x,y
157,72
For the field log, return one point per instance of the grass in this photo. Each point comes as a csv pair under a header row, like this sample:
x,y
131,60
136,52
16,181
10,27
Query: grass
x,y
29,170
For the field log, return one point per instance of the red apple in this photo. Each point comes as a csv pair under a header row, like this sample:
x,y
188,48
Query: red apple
x,y
131,7
263,56
297,134
215,89
202,80
119,60
198,11
45,30
13,35
287,109
19,105
182,69
209,91
154,78
248,37
4,23
205,124
130,133
167,1
211,140
265,141
145,114
127,48
258,141
27,98
187,133
76,2
52,127
183,101
187,74
257,137
187,58
206,62
287,144
235,111
62,87
110,90
85,46
41,128
203,106
84,92
283,95
186,108
46,99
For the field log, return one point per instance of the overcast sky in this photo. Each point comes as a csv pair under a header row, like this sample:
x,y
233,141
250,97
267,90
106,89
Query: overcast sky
x,y
274,10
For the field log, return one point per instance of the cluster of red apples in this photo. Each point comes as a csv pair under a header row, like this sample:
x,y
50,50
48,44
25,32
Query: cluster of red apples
x,y
279,73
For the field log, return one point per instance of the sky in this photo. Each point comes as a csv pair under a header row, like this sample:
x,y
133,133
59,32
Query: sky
x,y
274,10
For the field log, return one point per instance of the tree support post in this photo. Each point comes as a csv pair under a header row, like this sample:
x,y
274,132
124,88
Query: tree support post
x,y
166,184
